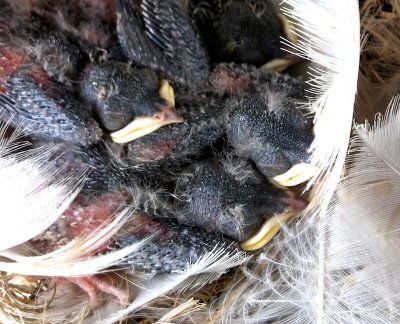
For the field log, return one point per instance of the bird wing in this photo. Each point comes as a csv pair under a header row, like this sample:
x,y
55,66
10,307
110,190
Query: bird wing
x,y
160,35
44,111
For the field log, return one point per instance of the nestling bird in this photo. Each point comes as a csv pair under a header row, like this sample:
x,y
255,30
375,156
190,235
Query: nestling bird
x,y
266,126
246,31
229,196
159,34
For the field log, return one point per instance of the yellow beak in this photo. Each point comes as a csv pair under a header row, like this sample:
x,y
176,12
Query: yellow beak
x,y
267,231
145,125
271,226
297,174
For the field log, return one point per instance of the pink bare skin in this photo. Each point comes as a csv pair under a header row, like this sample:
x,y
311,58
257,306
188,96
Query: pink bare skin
x,y
83,218
10,61
86,218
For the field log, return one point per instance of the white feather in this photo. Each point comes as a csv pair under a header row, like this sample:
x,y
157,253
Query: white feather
x,y
328,34
30,198
68,261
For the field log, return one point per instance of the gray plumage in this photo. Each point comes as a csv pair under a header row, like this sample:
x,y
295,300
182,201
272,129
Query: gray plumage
x,y
266,126
36,100
227,196
173,248
159,34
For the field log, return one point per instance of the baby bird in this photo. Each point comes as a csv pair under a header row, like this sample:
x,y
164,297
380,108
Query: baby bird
x,y
131,101
159,34
246,31
266,126
229,196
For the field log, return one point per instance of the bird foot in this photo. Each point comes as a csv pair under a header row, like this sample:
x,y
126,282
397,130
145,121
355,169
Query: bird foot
x,y
105,283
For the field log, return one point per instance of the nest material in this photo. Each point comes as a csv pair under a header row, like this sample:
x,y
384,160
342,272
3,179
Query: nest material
x,y
379,78
19,297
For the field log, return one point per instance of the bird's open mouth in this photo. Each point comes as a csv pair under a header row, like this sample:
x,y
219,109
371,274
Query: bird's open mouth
x,y
145,125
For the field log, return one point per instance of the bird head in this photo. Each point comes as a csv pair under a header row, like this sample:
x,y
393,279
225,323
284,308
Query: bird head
x,y
129,102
